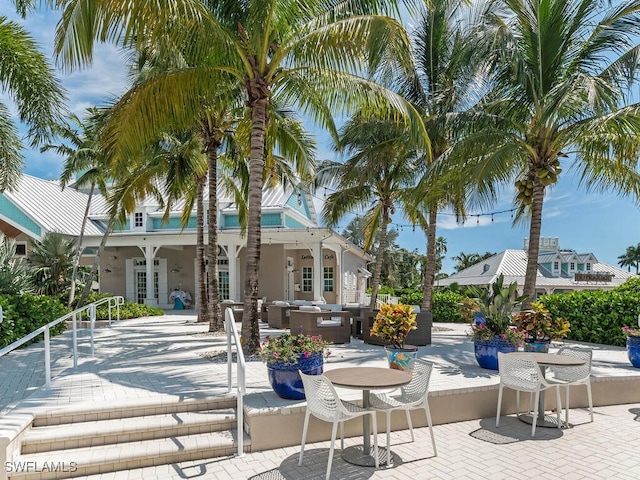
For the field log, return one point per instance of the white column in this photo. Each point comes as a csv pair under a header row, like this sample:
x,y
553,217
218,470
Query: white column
x,y
234,281
317,272
148,256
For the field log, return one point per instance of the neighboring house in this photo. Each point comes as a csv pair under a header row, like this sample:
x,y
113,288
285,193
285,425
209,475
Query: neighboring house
x,y
299,259
559,270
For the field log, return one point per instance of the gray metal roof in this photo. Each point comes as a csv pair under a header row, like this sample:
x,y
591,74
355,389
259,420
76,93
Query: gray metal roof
x,y
53,208
513,264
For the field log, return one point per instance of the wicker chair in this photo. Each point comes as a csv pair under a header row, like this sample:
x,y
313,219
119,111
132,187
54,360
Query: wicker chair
x,y
323,402
335,327
578,375
522,374
412,397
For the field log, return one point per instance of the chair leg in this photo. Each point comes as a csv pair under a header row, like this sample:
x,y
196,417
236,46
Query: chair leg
x,y
534,420
304,437
334,429
566,412
590,398
517,403
430,424
341,435
413,439
559,406
499,405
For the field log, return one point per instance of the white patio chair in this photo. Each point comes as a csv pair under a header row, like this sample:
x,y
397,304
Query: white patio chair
x,y
412,397
323,402
522,374
578,375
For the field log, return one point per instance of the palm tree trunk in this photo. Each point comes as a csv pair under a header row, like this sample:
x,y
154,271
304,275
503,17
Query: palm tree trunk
x,y
258,98
381,247
203,297
534,243
216,320
96,265
431,260
76,260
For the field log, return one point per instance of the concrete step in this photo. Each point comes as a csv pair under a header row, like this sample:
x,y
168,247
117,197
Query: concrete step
x,y
132,408
119,430
76,462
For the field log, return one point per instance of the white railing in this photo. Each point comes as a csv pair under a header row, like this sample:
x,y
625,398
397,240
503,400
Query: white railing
x,y
380,299
233,337
90,310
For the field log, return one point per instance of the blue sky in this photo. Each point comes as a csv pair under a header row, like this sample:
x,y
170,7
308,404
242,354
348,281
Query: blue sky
x,y
603,224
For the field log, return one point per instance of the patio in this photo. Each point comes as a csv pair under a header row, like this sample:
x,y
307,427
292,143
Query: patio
x,y
171,357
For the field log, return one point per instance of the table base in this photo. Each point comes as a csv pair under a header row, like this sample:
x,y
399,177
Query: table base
x,y
356,456
549,421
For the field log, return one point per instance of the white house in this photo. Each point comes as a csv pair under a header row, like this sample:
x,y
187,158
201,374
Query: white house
x,y
300,260
559,270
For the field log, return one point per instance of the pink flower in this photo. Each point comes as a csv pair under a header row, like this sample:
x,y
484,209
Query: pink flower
x,y
306,354
275,355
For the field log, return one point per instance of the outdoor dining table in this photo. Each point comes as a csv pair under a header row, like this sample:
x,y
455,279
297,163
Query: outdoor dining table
x,y
366,379
547,360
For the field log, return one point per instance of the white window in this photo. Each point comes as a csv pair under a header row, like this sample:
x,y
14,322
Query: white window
x,y
556,265
307,279
328,279
138,220
572,266
588,266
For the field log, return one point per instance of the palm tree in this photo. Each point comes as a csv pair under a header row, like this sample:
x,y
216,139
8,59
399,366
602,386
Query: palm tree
x,y
304,52
33,87
442,87
380,169
561,74
631,258
83,152
51,262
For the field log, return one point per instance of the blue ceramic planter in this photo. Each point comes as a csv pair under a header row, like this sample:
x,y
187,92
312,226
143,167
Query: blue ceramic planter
x,y
487,351
633,351
538,347
402,358
285,379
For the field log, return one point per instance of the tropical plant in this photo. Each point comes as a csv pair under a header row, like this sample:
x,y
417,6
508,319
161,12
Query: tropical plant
x,y
561,74
631,258
84,157
393,323
631,332
305,52
38,96
466,260
537,324
377,175
496,304
51,263
287,348
14,274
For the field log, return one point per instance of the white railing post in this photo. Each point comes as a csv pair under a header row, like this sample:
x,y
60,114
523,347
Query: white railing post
x,y
74,321
109,313
229,352
92,313
47,357
118,303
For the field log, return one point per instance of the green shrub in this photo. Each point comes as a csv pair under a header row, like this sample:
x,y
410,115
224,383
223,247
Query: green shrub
x,y
128,310
412,297
597,316
25,313
446,307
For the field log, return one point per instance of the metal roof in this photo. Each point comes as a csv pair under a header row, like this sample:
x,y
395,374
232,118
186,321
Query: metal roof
x,y
513,265
53,208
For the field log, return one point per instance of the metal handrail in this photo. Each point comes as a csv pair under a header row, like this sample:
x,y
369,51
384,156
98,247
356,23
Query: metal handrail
x,y
232,335
114,302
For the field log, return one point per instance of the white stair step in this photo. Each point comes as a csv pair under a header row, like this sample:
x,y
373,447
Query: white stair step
x,y
119,430
110,458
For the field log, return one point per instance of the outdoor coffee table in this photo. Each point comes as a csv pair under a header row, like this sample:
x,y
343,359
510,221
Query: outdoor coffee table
x,y
547,360
366,379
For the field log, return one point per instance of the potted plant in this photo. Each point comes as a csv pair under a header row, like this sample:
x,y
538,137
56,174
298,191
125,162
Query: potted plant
x,y
392,324
286,354
539,327
633,345
492,330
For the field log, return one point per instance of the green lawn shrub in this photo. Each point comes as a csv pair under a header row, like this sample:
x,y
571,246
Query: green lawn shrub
x,y
22,314
128,310
598,316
